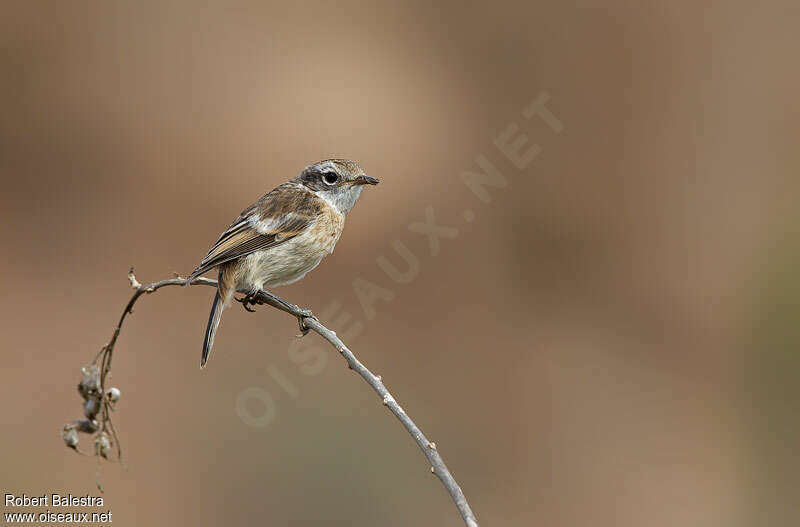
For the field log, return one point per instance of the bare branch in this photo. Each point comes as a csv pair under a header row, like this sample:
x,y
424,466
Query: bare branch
x,y
307,321
428,448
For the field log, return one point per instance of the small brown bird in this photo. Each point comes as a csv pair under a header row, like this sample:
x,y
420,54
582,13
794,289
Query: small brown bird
x,y
282,236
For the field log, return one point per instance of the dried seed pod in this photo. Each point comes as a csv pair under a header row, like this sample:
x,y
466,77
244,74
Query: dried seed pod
x,y
102,445
113,394
70,436
87,426
90,381
91,408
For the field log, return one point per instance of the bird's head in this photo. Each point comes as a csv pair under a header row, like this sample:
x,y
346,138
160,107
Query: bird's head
x,y
338,181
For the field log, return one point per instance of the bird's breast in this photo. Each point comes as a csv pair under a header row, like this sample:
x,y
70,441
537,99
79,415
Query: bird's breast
x,y
327,229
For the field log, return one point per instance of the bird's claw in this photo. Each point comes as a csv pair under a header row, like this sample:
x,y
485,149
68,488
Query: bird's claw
x,y
305,313
248,300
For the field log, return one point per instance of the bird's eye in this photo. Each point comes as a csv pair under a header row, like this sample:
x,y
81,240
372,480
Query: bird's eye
x,y
330,178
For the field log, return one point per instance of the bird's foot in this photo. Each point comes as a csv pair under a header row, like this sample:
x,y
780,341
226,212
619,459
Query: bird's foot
x,y
249,300
304,314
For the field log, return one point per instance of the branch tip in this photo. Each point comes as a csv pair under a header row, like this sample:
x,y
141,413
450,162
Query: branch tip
x,y
132,279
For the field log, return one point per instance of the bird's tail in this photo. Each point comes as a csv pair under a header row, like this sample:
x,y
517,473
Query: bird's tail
x,y
211,330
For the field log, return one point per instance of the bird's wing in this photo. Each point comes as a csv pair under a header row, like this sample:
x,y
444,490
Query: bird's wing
x,y
278,216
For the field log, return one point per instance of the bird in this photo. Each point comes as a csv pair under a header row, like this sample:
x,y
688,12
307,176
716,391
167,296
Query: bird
x,y
281,237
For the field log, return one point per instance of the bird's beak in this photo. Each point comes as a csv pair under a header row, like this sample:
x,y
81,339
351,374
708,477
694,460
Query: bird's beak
x,y
366,180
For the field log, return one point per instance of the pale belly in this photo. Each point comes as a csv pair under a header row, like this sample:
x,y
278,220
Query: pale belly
x,y
287,262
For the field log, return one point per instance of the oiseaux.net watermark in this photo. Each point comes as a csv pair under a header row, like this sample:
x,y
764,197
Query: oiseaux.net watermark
x,y
51,509
256,406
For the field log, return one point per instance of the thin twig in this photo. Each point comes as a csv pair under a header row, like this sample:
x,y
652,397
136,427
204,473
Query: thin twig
x,y
428,448
308,322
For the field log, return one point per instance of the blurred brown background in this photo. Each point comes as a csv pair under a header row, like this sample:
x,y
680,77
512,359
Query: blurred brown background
x,y
611,342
